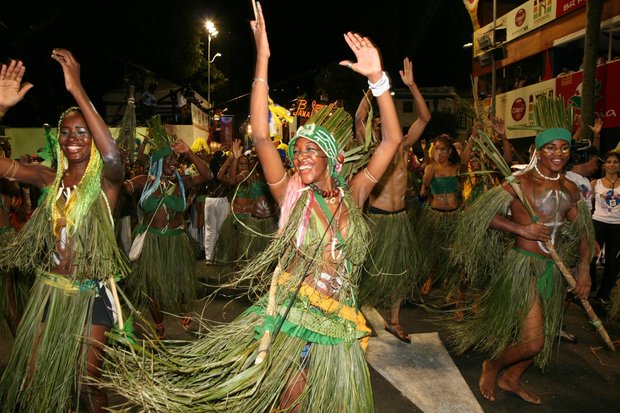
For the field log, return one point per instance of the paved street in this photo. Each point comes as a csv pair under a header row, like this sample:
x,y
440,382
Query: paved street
x,y
582,377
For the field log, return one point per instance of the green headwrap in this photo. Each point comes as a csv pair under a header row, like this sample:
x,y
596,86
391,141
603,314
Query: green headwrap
x,y
553,134
321,137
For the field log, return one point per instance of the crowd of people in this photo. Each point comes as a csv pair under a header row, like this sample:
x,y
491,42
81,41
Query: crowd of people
x,y
311,241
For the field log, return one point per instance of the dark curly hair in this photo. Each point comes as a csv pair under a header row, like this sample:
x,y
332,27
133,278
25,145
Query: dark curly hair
x,y
454,157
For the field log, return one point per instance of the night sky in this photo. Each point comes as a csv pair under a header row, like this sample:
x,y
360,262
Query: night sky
x,y
304,37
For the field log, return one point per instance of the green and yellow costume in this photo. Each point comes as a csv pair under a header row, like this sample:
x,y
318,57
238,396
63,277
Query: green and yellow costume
x,y
217,372
48,360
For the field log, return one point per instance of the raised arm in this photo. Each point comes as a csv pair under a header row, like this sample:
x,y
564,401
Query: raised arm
x,y
369,64
113,168
204,173
228,173
499,127
12,91
268,155
361,117
424,115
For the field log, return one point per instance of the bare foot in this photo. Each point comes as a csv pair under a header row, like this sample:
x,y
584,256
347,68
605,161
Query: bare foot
x,y
397,331
513,386
488,378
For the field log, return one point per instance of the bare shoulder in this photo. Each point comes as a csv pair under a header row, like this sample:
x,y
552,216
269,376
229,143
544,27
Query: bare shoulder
x,y
571,189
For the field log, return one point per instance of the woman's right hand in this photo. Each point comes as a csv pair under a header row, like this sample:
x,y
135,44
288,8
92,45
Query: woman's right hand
x,y
12,91
260,33
237,149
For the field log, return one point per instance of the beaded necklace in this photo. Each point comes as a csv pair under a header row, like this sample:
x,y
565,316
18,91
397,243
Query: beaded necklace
x,y
548,178
330,195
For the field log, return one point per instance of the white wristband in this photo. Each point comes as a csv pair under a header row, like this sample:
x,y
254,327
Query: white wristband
x,y
381,86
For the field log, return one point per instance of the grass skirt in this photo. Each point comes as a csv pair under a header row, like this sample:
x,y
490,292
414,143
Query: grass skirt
x,y
216,373
165,271
242,238
496,321
392,270
54,381
11,278
436,236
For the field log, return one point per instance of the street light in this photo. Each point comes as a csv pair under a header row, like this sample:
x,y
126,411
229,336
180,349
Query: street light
x,y
215,56
212,31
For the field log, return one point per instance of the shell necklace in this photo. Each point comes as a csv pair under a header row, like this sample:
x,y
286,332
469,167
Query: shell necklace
x,y
548,178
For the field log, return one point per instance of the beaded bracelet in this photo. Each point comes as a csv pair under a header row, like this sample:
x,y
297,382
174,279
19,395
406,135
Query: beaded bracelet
x,y
381,86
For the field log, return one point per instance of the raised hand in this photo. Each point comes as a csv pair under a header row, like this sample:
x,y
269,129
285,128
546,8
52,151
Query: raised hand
x,y
70,68
237,149
180,147
598,125
12,90
406,74
260,33
499,126
367,55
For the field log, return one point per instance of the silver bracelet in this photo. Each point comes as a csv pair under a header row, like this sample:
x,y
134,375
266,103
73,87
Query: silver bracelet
x,y
260,79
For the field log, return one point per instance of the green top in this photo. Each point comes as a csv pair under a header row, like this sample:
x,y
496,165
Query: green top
x,y
444,185
172,202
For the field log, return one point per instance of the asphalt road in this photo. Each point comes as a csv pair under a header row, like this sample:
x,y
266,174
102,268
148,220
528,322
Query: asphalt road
x,y
582,376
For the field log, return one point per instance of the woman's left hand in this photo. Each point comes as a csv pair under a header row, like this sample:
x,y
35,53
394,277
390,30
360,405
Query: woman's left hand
x,y
368,59
70,68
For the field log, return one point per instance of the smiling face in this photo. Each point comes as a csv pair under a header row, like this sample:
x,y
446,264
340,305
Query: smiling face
x,y
310,161
612,163
74,138
171,165
553,157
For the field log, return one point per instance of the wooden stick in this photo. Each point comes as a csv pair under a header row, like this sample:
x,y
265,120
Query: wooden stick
x,y
265,341
596,322
117,303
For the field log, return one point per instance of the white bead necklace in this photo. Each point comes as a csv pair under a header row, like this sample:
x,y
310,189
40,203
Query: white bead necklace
x,y
548,178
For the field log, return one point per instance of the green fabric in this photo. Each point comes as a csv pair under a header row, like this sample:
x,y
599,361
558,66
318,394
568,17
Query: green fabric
x,y
172,202
257,189
321,137
552,134
309,324
545,282
161,153
444,185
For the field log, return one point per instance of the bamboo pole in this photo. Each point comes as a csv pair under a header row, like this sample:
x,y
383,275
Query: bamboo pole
x,y
596,322
265,341
117,303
